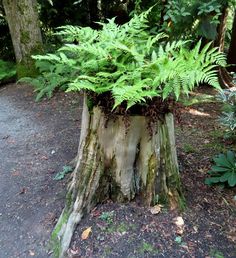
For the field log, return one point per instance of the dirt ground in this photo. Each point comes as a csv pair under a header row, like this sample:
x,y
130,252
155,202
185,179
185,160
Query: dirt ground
x,y
38,139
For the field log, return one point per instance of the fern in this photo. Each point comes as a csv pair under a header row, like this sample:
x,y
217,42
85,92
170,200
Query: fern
x,y
127,61
7,71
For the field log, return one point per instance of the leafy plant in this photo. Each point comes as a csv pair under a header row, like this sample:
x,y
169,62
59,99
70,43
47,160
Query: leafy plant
x,y
147,248
216,254
224,170
56,71
228,116
195,18
127,61
107,216
7,71
188,148
60,175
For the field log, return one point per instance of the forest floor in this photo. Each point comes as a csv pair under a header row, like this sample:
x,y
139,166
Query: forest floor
x,y
38,139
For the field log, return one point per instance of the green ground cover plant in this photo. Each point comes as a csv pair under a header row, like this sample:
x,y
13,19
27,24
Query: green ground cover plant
x,y
224,170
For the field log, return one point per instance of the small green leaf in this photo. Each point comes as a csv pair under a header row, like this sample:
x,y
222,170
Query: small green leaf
x,y
225,177
60,175
178,239
212,180
232,180
219,169
231,157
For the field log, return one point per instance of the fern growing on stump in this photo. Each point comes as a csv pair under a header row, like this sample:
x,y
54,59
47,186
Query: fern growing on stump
x,y
131,80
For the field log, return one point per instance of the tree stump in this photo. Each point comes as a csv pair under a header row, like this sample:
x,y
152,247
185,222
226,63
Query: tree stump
x,y
119,163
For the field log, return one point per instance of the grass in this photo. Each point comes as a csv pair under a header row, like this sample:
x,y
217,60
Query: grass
x,y
216,254
188,148
147,248
121,228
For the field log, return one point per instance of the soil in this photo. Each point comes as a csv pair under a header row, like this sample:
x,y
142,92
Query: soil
x,y
38,139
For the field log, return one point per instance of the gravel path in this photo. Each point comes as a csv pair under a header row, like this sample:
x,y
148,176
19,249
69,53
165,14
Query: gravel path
x,y
36,141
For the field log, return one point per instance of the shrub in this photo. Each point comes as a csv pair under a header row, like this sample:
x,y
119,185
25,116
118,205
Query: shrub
x,y
224,170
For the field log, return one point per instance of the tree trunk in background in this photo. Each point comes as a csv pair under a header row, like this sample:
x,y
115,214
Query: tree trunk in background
x,y
220,40
224,77
231,57
119,163
93,13
23,22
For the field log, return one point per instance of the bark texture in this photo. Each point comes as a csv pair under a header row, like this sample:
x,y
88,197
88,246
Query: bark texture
x,y
231,57
119,163
225,79
23,22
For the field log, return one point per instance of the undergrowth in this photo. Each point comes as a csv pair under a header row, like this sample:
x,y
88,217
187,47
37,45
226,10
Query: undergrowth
x,y
7,71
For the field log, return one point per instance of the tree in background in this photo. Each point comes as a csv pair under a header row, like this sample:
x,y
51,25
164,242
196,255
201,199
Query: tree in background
x,y
231,57
23,22
6,48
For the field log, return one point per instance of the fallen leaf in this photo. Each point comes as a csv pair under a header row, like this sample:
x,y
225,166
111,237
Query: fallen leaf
x,y
178,221
156,209
86,233
15,173
195,229
179,231
11,141
22,191
74,250
232,235
95,212
31,253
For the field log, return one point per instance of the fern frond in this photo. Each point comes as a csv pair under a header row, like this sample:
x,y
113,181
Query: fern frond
x,y
127,61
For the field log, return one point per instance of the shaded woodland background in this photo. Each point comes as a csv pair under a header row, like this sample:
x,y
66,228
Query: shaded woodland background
x,y
178,18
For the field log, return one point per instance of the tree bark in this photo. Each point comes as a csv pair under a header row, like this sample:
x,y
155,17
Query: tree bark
x,y
225,79
119,163
23,22
231,57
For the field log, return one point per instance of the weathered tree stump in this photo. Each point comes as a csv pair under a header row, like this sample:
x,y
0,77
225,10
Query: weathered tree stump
x,y
119,163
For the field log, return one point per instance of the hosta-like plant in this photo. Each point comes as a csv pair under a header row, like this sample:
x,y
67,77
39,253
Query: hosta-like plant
x,y
228,115
127,61
224,170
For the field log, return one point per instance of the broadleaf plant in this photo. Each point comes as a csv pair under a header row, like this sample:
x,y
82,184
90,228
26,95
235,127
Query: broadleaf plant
x,y
228,115
127,61
224,170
